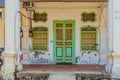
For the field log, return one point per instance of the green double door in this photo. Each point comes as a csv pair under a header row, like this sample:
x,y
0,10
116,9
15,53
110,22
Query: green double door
x,y
64,41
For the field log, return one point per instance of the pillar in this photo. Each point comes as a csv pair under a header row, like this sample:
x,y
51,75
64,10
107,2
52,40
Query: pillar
x,y
12,38
114,39
110,25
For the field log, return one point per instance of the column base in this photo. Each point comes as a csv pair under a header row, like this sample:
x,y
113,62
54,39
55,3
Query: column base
x,y
18,62
9,67
114,62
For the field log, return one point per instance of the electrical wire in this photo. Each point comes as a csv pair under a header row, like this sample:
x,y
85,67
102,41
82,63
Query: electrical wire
x,y
24,15
30,48
99,45
99,48
100,18
106,32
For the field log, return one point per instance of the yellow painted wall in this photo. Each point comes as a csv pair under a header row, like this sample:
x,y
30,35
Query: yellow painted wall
x,y
2,21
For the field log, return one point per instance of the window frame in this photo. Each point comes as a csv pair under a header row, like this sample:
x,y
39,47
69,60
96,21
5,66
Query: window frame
x,y
1,15
81,38
47,38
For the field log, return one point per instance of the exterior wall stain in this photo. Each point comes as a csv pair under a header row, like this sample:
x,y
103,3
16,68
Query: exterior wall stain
x,y
46,58
40,57
91,58
37,58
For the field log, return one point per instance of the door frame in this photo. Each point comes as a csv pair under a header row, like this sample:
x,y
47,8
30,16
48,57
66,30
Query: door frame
x,y
73,37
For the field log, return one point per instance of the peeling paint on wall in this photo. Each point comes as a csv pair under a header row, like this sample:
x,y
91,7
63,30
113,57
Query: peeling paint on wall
x,y
40,57
37,58
46,58
91,58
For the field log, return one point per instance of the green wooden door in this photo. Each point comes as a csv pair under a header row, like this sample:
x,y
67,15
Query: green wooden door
x,y
64,41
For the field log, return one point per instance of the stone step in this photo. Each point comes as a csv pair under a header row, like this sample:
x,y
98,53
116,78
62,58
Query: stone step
x,y
62,76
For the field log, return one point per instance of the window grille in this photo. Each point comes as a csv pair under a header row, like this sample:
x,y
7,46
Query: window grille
x,y
88,38
40,38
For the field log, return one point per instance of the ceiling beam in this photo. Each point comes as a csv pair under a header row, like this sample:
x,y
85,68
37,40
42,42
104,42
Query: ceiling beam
x,y
67,0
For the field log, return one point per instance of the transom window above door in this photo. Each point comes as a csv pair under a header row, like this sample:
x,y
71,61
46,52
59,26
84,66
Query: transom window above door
x,y
89,38
40,39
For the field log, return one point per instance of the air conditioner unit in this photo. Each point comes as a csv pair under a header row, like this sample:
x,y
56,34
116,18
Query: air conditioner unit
x,y
28,4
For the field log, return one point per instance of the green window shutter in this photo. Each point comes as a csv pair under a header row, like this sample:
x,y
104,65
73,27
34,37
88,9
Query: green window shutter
x,y
40,38
89,38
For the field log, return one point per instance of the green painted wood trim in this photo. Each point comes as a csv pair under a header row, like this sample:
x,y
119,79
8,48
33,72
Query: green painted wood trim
x,y
54,45
96,38
74,41
73,35
95,18
40,13
47,38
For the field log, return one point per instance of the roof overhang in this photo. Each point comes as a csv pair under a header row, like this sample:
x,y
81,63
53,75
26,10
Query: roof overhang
x,y
67,0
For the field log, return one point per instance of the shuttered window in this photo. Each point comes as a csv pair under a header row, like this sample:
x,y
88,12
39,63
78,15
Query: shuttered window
x,y
89,38
40,38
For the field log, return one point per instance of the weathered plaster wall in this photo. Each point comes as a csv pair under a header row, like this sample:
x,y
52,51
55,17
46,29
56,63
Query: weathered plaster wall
x,y
2,21
68,11
114,28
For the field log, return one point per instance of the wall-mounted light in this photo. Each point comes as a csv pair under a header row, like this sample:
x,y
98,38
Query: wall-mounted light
x,y
30,33
21,32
